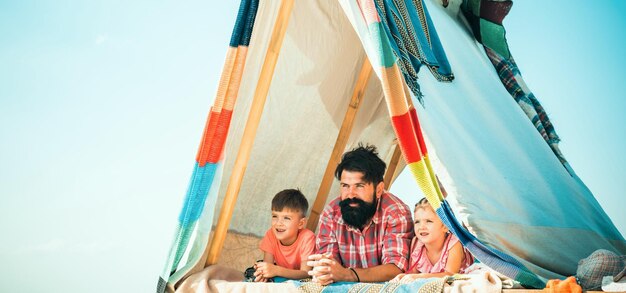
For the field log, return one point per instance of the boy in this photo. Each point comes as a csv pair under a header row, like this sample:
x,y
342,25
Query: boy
x,y
287,243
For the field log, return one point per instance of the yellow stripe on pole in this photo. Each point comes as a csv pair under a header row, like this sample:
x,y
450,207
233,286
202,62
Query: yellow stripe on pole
x,y
422,175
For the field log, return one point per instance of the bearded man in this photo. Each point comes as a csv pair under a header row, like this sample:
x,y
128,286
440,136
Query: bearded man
x,y
364,234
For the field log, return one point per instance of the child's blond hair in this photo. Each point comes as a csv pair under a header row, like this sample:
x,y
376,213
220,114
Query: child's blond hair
x,y
423,204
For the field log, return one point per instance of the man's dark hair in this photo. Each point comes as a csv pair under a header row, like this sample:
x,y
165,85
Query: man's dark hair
x,y
363,159
291,199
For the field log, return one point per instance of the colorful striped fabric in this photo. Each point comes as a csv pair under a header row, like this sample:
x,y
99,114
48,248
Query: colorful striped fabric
x,y
512,80
485,18
397,95
203,186
407,129
414,40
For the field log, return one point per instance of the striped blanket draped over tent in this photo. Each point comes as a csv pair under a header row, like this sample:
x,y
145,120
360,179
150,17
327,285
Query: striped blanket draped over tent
x,y
406,125
204,183
485,19
411,35
407,128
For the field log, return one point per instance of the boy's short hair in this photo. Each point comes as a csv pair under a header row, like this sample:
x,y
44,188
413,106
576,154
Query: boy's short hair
x,y
291,199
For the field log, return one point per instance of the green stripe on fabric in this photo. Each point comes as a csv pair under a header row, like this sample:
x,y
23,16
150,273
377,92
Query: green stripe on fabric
x,y
529,280
387,58
493,37
475,6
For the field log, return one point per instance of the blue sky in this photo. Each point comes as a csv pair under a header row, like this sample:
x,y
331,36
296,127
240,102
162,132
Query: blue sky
x,y
102,105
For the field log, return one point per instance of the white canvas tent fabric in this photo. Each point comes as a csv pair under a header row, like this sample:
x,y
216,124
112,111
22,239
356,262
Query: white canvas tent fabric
x,y
503,181
301,119
304,109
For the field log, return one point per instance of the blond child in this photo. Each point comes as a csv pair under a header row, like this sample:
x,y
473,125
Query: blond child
x,y
435,252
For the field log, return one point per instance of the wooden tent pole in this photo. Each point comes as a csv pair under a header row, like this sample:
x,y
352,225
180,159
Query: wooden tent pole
x,y
260,95
340,143
393,165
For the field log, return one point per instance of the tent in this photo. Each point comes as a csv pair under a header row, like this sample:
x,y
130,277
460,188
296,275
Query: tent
x,y
302,76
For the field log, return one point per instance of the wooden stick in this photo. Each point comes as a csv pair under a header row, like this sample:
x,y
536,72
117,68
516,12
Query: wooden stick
x,y
340,143
241,162
393,166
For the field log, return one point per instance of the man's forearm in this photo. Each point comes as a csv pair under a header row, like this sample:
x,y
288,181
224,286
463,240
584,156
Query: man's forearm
x,y
381,273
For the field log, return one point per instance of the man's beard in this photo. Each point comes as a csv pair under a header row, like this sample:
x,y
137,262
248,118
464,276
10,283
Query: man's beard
x,y
357,216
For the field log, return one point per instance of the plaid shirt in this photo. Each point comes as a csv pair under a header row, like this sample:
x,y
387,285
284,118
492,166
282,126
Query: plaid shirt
x,y
386,239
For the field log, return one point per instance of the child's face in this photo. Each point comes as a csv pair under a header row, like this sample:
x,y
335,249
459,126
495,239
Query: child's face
x,y
428,227
286,224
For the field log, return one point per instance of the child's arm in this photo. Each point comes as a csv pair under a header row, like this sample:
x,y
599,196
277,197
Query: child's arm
x,y
267,269
453,266
302,273
455,259
268,257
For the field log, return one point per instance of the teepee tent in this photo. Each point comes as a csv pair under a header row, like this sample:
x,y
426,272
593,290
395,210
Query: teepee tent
x,y
434,88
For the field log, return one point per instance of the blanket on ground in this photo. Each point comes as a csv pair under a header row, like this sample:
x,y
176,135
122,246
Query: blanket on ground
x,y
479,280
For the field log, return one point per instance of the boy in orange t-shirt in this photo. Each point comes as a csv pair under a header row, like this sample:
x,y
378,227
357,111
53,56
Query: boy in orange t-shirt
x,y
286,247
287,244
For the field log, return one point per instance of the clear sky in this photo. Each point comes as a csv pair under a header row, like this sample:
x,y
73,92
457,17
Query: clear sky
x,y
102,106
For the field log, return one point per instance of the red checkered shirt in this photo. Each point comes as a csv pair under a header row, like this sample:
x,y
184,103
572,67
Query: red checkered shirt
x,y
386,239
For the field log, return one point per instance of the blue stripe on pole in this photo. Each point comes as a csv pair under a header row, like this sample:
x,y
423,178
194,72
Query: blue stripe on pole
x,y
244,23
201,180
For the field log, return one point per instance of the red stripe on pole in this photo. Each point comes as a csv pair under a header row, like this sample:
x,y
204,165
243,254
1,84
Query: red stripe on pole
x,y
407,138
214,137
418,131
219,139
209,131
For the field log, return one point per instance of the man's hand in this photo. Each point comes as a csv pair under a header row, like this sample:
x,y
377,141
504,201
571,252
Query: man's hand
x,y
326,270
320,271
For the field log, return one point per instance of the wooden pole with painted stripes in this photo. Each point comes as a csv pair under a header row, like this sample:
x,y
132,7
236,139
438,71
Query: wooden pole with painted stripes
x,y
340,144
254,117
390,175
